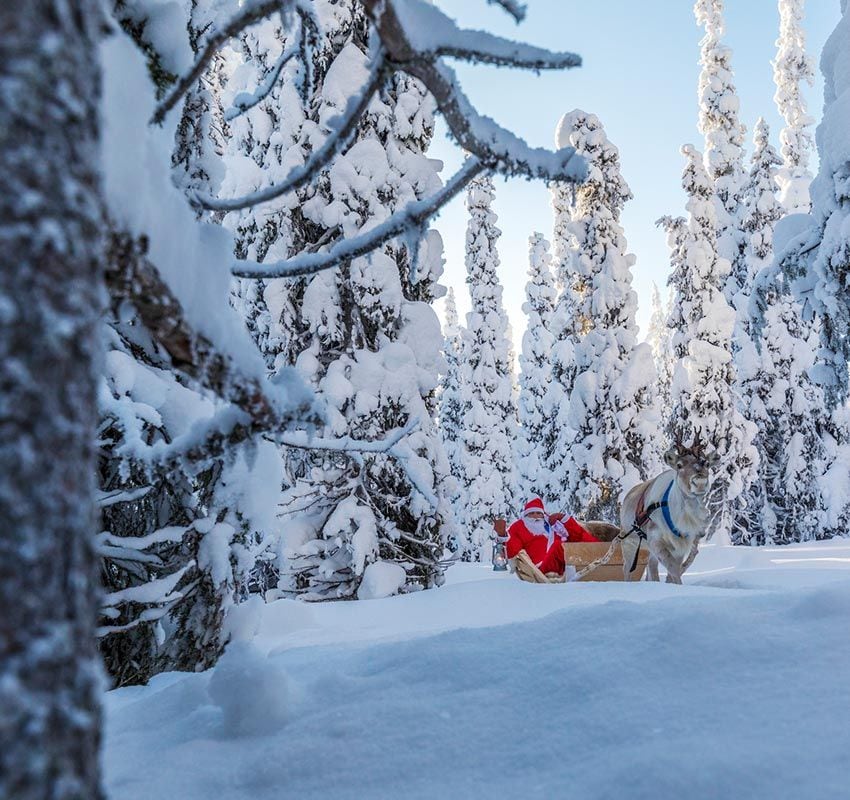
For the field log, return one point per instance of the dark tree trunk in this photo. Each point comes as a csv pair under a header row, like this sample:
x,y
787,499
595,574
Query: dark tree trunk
x,y
50,301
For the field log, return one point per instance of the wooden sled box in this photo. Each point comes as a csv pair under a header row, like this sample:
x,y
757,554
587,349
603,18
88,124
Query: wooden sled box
x,y
580,554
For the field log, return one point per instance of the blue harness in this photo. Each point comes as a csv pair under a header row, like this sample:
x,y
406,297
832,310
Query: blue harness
x,y
664,504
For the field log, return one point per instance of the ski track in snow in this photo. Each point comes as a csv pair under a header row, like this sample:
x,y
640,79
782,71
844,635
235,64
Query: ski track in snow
x,y
731,686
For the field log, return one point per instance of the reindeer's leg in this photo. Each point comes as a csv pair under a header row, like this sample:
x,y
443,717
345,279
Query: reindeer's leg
x,y
671,564
652,568
691,556
674,574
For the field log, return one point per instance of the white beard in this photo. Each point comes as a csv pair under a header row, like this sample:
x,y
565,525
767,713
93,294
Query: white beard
x,y
536,526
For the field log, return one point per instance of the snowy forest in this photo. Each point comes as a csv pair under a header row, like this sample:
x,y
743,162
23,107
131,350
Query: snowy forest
x,y
253,454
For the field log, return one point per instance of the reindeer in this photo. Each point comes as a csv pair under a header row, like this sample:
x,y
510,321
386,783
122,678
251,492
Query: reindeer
x,y
670,511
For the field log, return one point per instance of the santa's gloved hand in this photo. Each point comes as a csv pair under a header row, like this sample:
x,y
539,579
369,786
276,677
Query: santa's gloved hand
x,y
560,531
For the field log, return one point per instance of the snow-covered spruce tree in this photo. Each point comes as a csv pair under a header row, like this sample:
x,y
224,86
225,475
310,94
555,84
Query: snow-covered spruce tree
x,y
676,229
452,410
660,339
703,399
611,421
827,257
537,432
830,261
784,503
490,422
792,68
356,523
563,330
761,212
720,124
51,294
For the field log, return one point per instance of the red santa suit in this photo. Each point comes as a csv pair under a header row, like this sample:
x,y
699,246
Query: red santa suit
x,y
542,540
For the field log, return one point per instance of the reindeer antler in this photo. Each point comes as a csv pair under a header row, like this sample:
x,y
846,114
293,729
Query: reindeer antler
x,y
697,447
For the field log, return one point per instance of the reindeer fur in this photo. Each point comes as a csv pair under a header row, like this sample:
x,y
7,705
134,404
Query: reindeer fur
x,y
687,509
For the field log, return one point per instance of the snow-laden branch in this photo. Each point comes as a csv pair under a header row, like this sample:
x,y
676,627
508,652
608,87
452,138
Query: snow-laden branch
x,y
161,590
516,10
342,128
132,278
413,32
498,149
245,102
433,34
412,216
252,11
347,444
105,499
403,453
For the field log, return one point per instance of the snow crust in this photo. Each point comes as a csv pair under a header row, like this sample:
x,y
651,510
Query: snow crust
x,y
730,686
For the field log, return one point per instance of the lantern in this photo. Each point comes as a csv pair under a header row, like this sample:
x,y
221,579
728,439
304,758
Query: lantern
x,y
500,554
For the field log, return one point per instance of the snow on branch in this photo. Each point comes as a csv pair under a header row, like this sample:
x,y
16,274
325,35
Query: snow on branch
x,y
252,11
516,10
105,499
497,148
132,278
411,217
342,128
245,102
433,34
346,444
403,26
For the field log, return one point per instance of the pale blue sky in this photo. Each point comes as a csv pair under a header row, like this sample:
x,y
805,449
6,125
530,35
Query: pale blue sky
x,y
640,78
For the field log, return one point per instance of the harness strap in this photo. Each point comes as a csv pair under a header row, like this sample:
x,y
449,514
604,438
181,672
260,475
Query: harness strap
x,y
665,510
643,515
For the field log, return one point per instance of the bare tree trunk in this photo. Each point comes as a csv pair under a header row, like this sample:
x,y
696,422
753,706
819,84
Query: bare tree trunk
x,y
50,300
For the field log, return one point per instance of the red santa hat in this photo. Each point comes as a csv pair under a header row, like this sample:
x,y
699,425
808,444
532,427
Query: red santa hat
x,y
536,504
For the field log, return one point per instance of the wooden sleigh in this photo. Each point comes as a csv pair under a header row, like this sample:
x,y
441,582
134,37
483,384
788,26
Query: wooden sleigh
x,y
580,555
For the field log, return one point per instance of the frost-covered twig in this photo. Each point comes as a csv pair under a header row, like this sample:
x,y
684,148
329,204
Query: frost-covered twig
x,y
433,34
516,10
251,12
245,102
407,43
346,444
495,147
412,215
342,128
105,499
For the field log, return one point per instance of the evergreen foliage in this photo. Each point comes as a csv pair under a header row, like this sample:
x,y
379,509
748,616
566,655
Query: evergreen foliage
x,y
537,432
452,409
784,504
704,403
792,68
611,419
373,352
490,423
720,124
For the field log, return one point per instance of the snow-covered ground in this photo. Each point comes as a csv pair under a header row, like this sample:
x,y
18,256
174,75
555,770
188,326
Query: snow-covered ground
x,y
732,686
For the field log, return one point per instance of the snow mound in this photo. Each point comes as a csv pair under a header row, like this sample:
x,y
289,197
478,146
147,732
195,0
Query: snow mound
x,y
381,579
251,690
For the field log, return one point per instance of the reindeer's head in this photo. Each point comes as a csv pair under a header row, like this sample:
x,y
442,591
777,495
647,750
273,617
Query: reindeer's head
x,y
692,465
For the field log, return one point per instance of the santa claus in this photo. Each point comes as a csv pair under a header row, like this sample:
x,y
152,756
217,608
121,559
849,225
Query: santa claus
x,y
542,537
